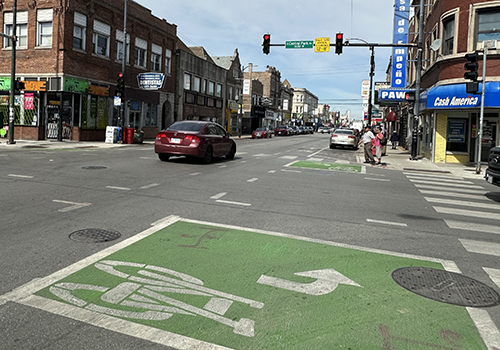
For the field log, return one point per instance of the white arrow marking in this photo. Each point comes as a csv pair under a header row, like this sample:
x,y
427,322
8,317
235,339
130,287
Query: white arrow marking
x,y
326,281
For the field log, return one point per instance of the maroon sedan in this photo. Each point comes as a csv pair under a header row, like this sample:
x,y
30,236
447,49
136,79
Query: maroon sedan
x,y
261,133
198,139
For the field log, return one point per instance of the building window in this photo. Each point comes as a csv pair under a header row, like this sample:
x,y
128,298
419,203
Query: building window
x,y
211,88
168,62
44,27
100,39
156,58
488,27
141,47
448,35
79,31
21,29
218,92
187,81
120,45
197,84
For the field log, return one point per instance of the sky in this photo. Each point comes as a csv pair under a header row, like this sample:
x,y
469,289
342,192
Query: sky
x,y
221,26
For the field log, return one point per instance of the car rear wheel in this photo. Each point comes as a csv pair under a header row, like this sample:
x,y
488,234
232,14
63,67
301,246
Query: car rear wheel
x,y
163,157
232,152
332,146
209,154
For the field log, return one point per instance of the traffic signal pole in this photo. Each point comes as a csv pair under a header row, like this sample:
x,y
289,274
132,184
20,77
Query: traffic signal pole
x,y
479,138
13,41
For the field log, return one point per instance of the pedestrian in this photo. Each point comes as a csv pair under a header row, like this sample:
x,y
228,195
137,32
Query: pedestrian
x,y
377,146
366,140
394,139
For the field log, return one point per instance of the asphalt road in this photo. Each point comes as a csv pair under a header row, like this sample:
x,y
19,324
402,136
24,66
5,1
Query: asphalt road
x,y
48,194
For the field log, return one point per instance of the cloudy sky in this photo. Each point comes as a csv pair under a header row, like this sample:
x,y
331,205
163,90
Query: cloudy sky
x,y
221,26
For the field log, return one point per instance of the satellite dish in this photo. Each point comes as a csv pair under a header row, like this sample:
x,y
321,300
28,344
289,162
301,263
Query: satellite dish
x,y
436,44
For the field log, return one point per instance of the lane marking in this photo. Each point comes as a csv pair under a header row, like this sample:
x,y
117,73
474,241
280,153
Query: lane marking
x,y
481,247
253,179
291,171
451,189
442,180
146,157
470,226
149,186
219,195
494,275
235,203
289,157
454,194
119,188
462,203
316,159
446,184
387,222
21,176
375,179
73,206
262,155
434,176
321,150
271,171
222,166
194,174
472,213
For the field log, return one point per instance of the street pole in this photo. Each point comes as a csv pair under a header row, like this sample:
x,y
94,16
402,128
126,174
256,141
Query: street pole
x,y
479,138
13,41
122,97
372,73
416,109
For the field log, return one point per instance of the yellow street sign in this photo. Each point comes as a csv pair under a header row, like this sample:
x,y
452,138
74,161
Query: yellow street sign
x,y
322,45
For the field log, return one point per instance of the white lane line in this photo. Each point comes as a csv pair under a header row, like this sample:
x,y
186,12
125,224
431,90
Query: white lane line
x,y
342,161
241,153
480,247
119,188
387,222
21,176
434,176
462,203
463,212
446,184
316,159
222,166
321,150
73,206
291,171
462,190
289,157
194,174
494,275
219,195
262,155
235,203
374,179
454,194
271,171
148,158
253,179
457,181
149,186
470,226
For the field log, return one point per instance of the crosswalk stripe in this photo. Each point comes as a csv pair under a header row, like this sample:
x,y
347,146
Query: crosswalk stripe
x,y
471,226
462,190
494,275
457,181
481,247
455,194
288,157
446,184
463,203
434,176
472,213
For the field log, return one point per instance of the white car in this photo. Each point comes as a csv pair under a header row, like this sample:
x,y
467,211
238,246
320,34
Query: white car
x,y
344,138
324,130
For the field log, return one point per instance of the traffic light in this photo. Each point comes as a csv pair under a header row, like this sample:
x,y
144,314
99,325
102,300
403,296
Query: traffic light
x,y
266,45
120,84
410,96
471,66
339,43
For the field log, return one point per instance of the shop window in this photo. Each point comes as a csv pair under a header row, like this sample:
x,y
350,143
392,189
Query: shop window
x,y
95,110
151,118
79,31
456,136
488,27
44,28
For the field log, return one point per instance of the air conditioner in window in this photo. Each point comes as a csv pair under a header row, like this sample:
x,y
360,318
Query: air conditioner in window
x,y
491,44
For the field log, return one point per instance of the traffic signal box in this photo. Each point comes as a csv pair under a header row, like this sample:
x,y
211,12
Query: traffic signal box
x,y
120,85
410,96
339,43
471,72
266,45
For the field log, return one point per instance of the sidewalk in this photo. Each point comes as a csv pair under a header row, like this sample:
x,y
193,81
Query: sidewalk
x,y
397,159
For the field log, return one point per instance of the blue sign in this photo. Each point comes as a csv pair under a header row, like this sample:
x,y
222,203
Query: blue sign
x,y
455,96
394,95
150,81
400,36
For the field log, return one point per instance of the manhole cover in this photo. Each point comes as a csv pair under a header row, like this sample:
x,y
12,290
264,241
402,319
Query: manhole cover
x,y
446,287
94,235
94,167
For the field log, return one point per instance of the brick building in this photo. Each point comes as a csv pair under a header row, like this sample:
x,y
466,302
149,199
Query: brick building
x,y
449,115
69,54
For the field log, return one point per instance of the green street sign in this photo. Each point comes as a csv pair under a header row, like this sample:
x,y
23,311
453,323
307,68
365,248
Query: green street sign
x,y
299,44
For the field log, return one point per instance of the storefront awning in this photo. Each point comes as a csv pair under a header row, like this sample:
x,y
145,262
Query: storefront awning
x,y
455,97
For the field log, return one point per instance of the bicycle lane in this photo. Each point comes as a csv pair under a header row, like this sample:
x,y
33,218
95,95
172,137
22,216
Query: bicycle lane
x,y
198,285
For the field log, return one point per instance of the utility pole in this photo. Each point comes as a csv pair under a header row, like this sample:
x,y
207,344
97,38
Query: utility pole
x,y
372,73
479,139
418,75
121,122
13,41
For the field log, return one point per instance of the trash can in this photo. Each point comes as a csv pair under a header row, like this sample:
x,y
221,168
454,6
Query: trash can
x,y
128,135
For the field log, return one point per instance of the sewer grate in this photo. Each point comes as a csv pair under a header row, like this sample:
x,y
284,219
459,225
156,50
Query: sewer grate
x,y
94,235
94,167
446,287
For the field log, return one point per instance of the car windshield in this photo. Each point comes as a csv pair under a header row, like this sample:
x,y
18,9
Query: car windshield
x,y
186,126
343,132
260,129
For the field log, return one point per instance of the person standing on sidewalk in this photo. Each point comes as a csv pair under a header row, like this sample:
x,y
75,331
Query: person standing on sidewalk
x,y
378,146
367,145
394,139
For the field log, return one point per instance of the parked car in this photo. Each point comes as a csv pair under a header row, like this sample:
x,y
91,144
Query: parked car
x,y
295,130
310,130
324,130
492,174
283,130
260,133
344,138
200,139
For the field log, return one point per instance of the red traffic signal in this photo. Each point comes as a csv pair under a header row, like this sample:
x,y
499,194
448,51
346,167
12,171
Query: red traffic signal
x,y
120,83
339,43
410,96
266,45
